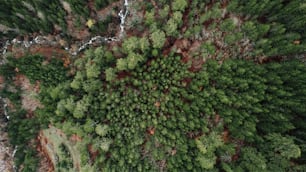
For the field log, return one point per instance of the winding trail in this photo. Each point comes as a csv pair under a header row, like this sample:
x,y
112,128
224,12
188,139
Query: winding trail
x,y
43,40
52,138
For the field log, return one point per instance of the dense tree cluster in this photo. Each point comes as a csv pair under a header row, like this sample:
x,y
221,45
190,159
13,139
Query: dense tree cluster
x,y
276,27
165,116
51,15
21,128
34,15
182,95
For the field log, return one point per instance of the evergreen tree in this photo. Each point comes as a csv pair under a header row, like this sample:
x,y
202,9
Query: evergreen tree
x,y
179,5
110,74
122,64
158,39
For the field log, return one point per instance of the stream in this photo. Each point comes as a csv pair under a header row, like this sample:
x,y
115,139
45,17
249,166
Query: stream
x,y
42,40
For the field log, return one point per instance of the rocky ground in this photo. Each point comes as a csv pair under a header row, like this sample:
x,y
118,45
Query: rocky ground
x,y
6,152
48,46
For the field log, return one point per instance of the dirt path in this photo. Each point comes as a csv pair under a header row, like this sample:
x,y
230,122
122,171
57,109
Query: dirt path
x,y
50,46
51,139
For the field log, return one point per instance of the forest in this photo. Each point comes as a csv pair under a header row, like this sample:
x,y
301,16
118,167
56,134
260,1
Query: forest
x,y
187,85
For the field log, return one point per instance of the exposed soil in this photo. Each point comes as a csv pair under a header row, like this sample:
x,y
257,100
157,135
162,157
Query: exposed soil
x,y
108,10
29,103
6,159
54,47
6,151
1,82
45,165
28,100
50,139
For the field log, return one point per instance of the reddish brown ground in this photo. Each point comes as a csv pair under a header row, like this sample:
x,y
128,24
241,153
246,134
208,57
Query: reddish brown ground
x,y
28,101
183,47
108,10
6,150
92,152
2,80
45,163
47,51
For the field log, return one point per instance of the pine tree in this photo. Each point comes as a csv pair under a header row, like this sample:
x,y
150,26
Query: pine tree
x,y
102,130
179,5
158,39
251,160
144,44
92,70
171,27
122,64
130,44
110,74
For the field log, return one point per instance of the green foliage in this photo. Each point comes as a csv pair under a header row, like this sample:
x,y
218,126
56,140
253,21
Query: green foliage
x,y
130,44
92,70
208,48
161,112
32,66
227,25
122,64
282,146
179,5
79,7
157,109
102,130
133,59
144,44
164,12
78,79
7,70
105,144
134,44
177,17
213,13
27,158
149,17
102,3
110,74
279,150
171,27
82,107
232,38
158,39
21,130
70,128
92,85
276,23
49,16
251,160
207,146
